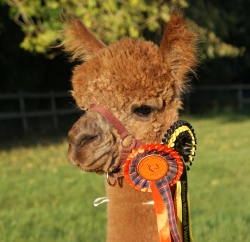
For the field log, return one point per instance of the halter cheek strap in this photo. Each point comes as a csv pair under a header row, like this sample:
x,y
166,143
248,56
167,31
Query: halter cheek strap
x,y
112,119
123,134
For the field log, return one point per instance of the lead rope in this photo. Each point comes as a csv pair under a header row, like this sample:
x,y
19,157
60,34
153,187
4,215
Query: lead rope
x,y
98,201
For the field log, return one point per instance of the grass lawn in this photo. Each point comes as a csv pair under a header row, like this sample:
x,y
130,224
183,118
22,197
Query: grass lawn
x,y
44,198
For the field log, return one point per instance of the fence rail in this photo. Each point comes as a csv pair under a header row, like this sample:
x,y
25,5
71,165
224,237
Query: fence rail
x,y
24,114
240,88
54,111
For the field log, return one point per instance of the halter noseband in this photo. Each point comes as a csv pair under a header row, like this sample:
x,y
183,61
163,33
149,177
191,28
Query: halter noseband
x,y
123,134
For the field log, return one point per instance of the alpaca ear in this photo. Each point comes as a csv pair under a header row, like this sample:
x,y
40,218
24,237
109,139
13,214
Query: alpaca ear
x,y
79,42
178,47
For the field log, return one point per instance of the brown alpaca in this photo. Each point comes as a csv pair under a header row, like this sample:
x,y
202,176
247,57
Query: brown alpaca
x,y
141,84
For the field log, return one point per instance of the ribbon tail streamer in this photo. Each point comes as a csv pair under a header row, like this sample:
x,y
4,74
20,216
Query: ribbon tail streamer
x,y
185,207
161,214
166,220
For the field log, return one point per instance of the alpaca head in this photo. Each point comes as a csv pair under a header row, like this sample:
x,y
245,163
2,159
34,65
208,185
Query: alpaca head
x,y
139,82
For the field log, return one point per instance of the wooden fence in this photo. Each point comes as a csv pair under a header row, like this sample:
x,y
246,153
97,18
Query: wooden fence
x,y
23,114
240,88
54,111
218,96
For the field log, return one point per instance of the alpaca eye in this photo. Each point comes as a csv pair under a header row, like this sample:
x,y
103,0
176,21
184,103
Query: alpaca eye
x,y
143,110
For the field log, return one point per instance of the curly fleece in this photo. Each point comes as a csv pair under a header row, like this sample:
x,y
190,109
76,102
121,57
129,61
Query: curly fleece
x,y
130,69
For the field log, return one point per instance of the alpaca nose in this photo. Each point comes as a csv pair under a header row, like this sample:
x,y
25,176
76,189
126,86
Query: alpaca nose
x,y
79,138
85,130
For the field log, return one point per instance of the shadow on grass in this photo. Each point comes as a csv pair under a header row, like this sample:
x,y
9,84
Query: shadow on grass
x,y
34,140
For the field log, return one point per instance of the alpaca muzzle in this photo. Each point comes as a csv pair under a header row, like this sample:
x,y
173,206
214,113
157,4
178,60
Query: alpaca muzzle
x,y
128,142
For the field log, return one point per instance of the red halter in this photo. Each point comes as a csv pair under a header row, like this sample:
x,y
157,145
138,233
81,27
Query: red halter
x,y
123,134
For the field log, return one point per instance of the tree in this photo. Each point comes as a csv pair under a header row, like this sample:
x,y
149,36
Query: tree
x,y
22,70
109,20
224,29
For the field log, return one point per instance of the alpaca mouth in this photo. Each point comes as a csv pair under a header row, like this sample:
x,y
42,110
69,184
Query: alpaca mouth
x,y
89,164
93,150
126,150
104,159
100,165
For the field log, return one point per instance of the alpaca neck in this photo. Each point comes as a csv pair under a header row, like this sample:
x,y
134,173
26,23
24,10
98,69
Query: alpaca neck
x,y
130,216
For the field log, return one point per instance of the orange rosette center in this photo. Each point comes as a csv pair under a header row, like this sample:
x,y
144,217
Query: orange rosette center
x,y
152,167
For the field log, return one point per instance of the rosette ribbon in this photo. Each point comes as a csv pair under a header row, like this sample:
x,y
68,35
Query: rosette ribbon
x,y
181,137
156,168
161,169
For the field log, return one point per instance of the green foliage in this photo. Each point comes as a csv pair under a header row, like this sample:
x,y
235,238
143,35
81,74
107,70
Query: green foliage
x,y
33,26
215,22
109,20
22,70
44,198
225,41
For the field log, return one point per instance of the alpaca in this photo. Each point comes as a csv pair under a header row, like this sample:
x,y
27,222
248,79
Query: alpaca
x,y
140,85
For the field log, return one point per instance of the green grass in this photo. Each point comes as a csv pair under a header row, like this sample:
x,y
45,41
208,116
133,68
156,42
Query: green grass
x,y
219,180
44,198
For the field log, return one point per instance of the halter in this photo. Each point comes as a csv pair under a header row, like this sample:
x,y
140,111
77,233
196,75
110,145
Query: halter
x,y
123,134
